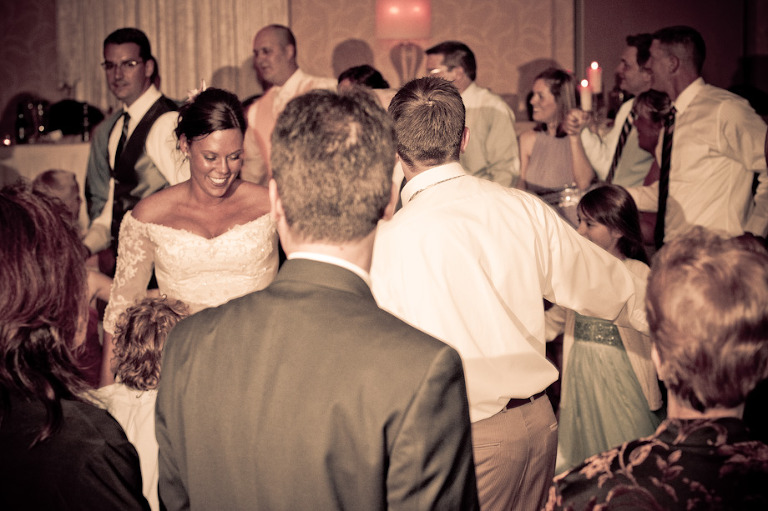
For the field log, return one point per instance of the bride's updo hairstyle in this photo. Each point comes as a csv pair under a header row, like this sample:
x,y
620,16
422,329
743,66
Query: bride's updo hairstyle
x,y
211,110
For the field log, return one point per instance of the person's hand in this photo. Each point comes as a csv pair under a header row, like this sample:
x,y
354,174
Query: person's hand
x,y
575,121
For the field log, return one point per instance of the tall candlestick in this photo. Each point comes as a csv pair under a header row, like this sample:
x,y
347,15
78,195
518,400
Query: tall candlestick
x,y
595,77
585,95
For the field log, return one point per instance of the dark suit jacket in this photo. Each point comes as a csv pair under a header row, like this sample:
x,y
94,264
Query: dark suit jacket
x,y
306,395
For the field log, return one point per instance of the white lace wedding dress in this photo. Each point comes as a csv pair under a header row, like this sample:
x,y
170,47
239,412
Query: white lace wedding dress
x,y
199,271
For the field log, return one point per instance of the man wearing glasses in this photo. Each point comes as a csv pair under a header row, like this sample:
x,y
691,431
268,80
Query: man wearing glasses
x,y
132,151
492,151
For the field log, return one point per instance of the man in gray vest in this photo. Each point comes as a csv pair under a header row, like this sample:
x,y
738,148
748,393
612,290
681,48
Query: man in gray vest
x,y
132,150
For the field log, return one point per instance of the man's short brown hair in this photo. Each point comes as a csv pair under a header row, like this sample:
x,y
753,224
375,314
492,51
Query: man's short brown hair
x,y
332,160
429,121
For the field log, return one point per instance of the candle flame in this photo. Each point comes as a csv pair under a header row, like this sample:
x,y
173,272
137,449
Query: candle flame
x,y
594,65
585,83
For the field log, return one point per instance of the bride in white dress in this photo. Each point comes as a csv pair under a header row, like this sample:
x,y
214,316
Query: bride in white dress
x,y
209,239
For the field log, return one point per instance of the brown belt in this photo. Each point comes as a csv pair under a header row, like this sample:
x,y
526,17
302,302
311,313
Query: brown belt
x,y
515,402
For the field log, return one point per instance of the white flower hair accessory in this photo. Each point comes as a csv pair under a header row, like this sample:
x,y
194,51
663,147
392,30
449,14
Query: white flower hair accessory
x,y
192,94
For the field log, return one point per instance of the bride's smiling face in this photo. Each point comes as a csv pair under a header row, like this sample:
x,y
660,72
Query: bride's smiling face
x,y
214,160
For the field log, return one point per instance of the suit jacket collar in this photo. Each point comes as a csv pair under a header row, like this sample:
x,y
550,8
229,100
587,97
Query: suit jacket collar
x,y
324,275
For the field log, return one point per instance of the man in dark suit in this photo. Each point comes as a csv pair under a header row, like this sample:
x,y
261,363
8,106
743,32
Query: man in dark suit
x,y
306,395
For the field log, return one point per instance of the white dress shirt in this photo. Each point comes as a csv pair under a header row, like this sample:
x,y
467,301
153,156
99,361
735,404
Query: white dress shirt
x,y
468,261
262,115
717,147
492,152
325,258
634,163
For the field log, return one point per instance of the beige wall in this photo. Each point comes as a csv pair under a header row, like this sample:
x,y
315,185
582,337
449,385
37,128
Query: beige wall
x,y
512,39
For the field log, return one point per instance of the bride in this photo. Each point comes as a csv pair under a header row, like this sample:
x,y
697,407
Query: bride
x,y
210,239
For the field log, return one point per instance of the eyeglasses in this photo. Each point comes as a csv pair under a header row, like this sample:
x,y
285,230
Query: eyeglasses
x,y
125,66
438,70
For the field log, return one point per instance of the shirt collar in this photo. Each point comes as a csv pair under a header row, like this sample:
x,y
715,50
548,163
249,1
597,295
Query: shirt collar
x,y
324,258
141,106
470,90
431,177
287,91
690,92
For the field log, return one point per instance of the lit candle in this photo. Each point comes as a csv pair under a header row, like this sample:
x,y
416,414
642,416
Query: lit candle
x,y
585,95
595,77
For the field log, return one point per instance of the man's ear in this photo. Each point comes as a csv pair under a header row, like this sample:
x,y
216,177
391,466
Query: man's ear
x,y
656,362
674,63
184,145
149,68
276,205
464,139
389,211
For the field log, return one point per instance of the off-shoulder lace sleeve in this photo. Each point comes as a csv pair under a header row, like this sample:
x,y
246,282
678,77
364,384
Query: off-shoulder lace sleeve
x,y
135,260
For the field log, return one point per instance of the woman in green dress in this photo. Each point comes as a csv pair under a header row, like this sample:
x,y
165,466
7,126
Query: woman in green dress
x,y
610,389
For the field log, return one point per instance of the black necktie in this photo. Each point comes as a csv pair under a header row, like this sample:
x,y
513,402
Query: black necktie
x,y
666,155
620,146
123,137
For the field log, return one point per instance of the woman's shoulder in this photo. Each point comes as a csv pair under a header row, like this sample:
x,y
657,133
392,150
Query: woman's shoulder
x,y
528,139
155,207
252,197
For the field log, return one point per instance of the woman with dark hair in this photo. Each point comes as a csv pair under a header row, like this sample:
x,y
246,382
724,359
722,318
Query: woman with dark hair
x,y
610,388
56,450
552,162
210,239
368,78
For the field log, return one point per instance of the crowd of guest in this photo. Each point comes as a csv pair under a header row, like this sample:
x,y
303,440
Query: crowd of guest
x,y
372,277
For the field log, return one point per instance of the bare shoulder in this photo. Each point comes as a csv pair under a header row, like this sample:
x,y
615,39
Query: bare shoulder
x,y
527,140
253,197
158,205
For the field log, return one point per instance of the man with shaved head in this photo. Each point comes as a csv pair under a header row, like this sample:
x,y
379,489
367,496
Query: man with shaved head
x,y
274,59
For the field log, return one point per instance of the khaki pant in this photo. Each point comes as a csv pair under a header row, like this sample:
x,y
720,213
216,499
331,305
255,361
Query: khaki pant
x,y
515,454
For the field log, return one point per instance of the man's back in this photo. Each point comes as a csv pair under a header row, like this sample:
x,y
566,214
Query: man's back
x,y
468,262
306,395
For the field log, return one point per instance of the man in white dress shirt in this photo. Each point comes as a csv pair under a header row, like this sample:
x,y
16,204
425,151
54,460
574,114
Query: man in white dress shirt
x,y
141,132
492,152
274,58
469,261
718,145
633,164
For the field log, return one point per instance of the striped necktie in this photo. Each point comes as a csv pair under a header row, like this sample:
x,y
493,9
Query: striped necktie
x,y
620,146
666,155
123,137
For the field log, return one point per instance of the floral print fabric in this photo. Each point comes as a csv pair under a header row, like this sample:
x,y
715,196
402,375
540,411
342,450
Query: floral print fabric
x,y
703,464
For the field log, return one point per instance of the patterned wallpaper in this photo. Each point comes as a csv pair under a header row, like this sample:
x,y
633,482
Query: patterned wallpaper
x,y
512,39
